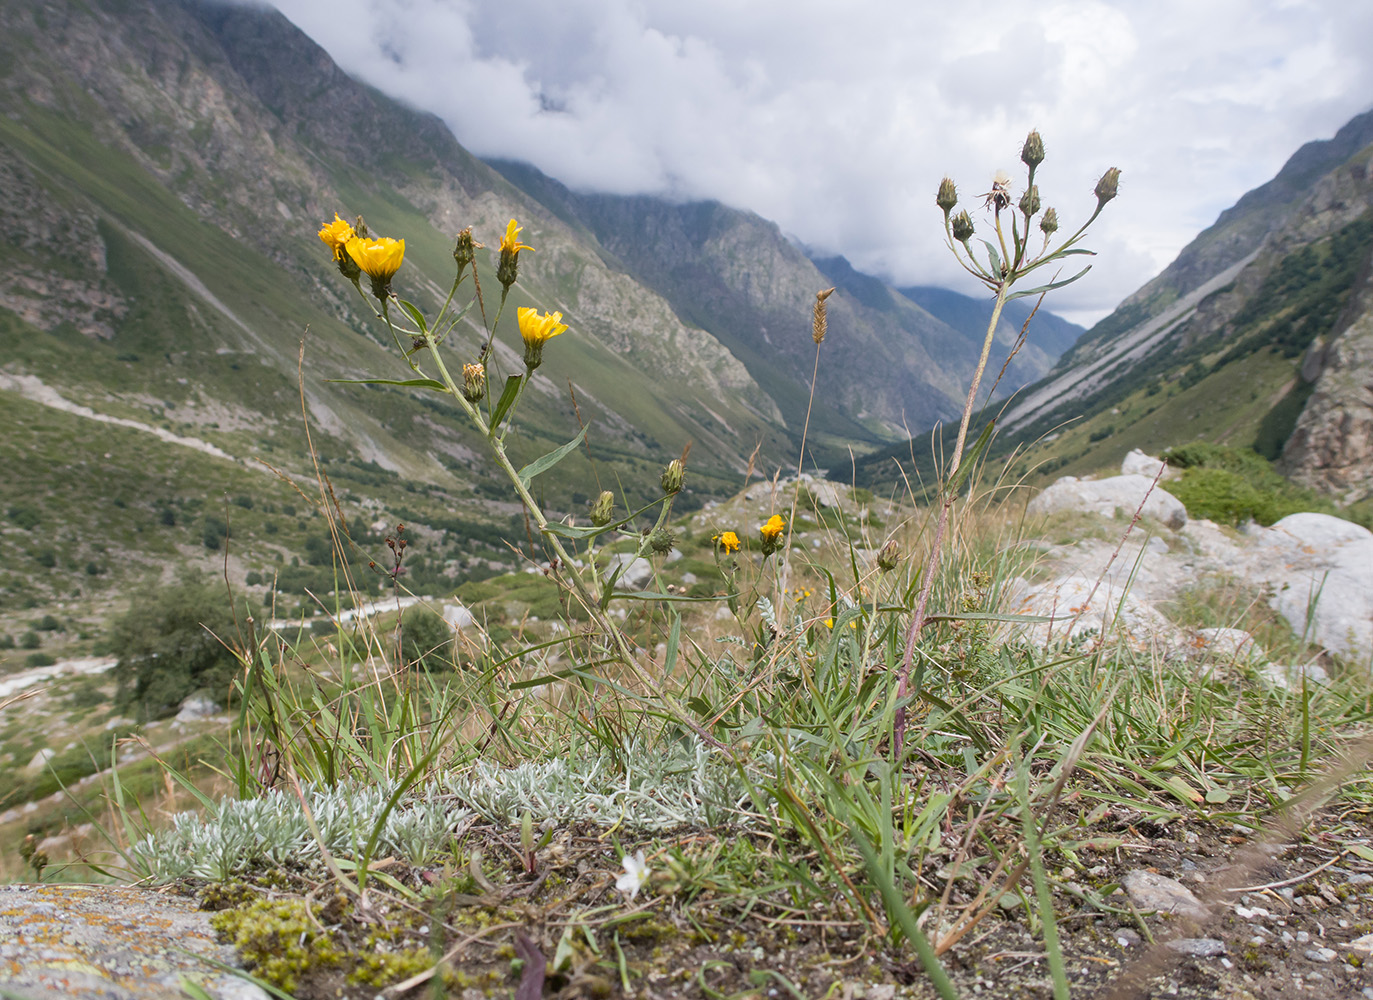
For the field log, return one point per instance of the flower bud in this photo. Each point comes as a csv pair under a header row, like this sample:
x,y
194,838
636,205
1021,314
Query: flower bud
x,y
1032,153
1050,221
673,476
890,555
507,271
603,509
948,195
465,251
473,382
820,323
962,227
1029,201
1106,187
662,541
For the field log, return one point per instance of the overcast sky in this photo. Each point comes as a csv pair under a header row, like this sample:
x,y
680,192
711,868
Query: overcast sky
x,y
837,120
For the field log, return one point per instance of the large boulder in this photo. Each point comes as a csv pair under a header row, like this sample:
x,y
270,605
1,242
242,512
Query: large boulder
x,y
1320,569
1107,496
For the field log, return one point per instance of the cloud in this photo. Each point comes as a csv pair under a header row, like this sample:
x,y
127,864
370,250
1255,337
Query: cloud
x,y
838,123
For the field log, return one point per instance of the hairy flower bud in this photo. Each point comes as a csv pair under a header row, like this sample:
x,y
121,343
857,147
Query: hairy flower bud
x,y
1106,187
673,476
1029,201
662,541
465,250
820,323
473,382
890,555
1050,221
948,195
1032,153
603,509
962,227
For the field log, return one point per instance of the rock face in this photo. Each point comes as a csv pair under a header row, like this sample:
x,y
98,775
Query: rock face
x,y
63,941
1316,570
1106,496
1331,448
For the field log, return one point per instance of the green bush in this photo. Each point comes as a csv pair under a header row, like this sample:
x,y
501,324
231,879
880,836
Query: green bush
x,y
30,640
426,641
215,532
39,660
24,515
169,647
1233,485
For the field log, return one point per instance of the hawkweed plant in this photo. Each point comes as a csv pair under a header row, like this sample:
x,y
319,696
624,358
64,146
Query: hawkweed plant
x,y
999,265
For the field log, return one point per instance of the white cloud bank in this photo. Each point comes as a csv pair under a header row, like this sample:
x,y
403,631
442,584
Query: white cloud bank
x,y
838,120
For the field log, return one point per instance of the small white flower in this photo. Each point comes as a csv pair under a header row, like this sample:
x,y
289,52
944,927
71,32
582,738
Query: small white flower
x,y
636,874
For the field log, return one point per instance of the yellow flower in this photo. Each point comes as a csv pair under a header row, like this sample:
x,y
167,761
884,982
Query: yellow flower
x,y
510,242
537,329
728,541
335,234
508,269
772,534
379,258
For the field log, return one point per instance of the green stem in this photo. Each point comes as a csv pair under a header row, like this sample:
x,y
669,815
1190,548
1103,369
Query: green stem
x,y
946,502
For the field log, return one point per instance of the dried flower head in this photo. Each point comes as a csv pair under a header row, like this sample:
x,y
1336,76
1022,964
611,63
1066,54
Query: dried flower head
x,y
820,323
465,250
473,382
1000,195
963,227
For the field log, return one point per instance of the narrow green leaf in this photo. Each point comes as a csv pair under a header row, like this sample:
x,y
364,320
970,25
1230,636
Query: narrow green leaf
x,y
414,383
971,457
673,638
649,595
546,462
994,257
1049,287
413,312
507,400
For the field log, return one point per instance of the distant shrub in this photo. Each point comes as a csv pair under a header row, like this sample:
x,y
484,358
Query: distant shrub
x,y
6,641
214,533
253,579
46,558
1234,485
168,645
167,517
39,660
24,515
244,500
426,641
48,623
30,640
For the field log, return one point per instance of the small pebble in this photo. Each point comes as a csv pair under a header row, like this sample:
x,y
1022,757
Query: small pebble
x,y
1368,992
1303,937
1198,947
1287,938
1127,938
1314,977
1287,893
1321,954
1361,878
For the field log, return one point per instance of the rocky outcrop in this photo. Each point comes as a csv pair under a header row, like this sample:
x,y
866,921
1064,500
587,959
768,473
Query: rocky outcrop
x,y
1106,496
62,941
1331,448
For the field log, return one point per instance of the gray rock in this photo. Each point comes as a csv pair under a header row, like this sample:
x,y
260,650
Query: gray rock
x,y
826,493
1290,678
195,708
1106,496
1150,891
1137,463
1231,643
637,573
457,617
1362,945
40,759
1198,947
66,941
1321,954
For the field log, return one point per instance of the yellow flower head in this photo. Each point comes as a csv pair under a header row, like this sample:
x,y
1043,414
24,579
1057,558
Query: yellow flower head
x,y
537,329
379,258
774,527
728,541
508,269
335,234
510,242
